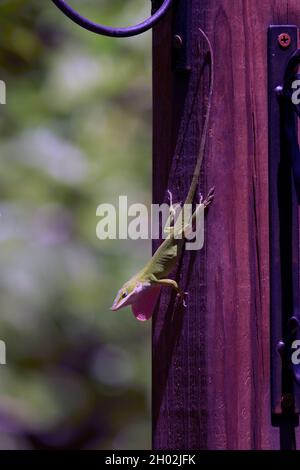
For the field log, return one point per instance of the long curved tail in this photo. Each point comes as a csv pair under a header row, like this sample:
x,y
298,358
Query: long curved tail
x,y
197,170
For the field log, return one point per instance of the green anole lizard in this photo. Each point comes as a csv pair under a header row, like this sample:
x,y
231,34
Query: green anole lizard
x,y
143,289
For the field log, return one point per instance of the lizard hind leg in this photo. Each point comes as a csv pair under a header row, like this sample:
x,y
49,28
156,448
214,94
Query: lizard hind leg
x,y
170,198
209,198
188,229
169,227
173,207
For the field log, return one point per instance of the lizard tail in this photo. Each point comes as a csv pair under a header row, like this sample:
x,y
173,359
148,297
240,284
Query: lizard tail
x,y
196,174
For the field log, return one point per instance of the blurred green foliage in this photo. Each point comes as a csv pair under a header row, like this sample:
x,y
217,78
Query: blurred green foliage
x,y
75,132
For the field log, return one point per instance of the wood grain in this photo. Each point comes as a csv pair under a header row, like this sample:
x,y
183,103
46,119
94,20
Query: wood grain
x,y
211,371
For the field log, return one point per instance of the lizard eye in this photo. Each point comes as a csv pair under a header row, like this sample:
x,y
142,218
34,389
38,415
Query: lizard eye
x,y
124,295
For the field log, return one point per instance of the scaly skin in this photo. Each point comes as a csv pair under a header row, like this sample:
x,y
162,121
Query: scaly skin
x,y
142,290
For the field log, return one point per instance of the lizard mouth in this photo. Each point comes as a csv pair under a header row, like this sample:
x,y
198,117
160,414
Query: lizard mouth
x,y
120,303
115,306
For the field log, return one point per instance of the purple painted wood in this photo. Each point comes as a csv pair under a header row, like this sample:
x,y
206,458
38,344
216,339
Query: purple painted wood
x,y
211,362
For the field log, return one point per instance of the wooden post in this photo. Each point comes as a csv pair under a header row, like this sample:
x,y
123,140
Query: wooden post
x,y
211,371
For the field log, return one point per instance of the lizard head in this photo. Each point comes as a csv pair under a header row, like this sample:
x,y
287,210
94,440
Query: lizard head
x,y
127,294
140,295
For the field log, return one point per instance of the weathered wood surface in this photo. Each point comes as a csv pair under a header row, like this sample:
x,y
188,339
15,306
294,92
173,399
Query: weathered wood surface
x,y
211,372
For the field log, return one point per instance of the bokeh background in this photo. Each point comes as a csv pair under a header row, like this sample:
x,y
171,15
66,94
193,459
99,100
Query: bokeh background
x,y
75,132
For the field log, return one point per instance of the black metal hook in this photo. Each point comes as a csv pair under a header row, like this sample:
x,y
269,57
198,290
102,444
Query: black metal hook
x,y
108,31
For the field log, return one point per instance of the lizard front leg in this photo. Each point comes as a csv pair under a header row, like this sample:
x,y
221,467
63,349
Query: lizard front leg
x,y
174,285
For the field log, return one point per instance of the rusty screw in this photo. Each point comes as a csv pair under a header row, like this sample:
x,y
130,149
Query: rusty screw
x,y
284,40
177,41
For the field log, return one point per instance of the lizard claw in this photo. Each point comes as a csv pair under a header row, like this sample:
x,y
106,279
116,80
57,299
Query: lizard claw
x,y
209,198
170,197
182,295
183,300
173,206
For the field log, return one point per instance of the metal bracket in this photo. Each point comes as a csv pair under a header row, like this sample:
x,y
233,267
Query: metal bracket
x,y
284,185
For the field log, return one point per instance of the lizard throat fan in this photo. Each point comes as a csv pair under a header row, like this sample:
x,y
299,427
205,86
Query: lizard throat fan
x,y
142,300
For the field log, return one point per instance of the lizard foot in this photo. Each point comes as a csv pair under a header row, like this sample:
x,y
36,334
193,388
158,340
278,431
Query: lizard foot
x,y
170,198
209,198
173,212
182,296
173,206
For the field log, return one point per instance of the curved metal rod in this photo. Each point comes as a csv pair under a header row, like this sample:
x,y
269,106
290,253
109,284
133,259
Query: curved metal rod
x,y
113,32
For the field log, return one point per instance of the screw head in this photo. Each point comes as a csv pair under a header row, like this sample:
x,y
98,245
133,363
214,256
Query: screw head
x,y
279,90
281,347
177,41
284,40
